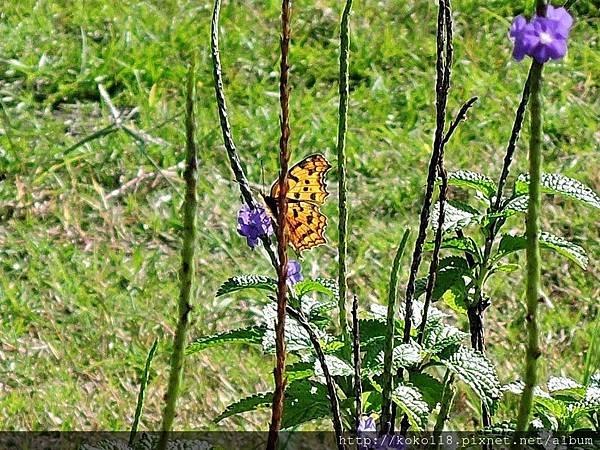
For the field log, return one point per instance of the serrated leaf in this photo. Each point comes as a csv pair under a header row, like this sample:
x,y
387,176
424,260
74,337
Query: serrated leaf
x,y
296,338
337,367
555,183
462,244
442,337
569,250
149,441
474,369
562,384
107,444
304,401
456,216
518,204
238,283
451,273
250,335
434,314
305,287
404,355
411,402
299,371
456,300
246,404
318,312
473,180
430,388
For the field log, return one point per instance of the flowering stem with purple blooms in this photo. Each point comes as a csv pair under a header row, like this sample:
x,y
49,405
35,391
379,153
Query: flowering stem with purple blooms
x,y
543,38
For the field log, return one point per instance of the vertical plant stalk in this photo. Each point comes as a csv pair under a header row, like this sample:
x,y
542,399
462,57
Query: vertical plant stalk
x,y
445,406
334,401
186,274
442,85
435,257
234,160
441,138
357,363
388,349
533,248
341,160
142,394
441,95
282,232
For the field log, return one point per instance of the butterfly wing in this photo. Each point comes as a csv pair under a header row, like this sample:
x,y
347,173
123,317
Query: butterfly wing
x,y
306,225
306,192
306,181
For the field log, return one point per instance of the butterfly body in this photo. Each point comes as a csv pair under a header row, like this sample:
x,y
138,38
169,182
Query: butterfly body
x,y
306,192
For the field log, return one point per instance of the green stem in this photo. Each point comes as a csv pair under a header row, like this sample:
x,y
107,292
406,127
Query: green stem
x,y
186,275
533,249
142,393
446,404
341,159
388,349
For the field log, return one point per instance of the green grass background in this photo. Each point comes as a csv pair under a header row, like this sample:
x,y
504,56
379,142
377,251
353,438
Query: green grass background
x,y
87,284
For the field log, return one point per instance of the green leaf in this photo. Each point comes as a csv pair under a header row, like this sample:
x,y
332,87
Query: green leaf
x,y
296,338
517,204
251,335
320,285
569,250
430,388
404,355
451,273
506,268
337,367
250,403
463,244
300,370
304,401
411,402
456,300
473,180
457,216
247,282
555,183
442,337
473,368
565,387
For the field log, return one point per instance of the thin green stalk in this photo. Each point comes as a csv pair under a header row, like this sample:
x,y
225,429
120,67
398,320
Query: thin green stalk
x,y
388,349
186,275
341,159
533,248
142,393
357,363
448,395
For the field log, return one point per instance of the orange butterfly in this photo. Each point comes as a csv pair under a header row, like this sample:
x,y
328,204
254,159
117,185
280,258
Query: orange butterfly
x,y
306,192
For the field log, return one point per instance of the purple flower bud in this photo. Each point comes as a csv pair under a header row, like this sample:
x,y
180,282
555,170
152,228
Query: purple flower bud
x,y
543,38
294,274
254,224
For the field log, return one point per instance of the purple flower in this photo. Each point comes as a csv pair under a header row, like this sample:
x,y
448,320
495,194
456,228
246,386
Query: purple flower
x,y
254,224
366,425
367,432
543,38
293,275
